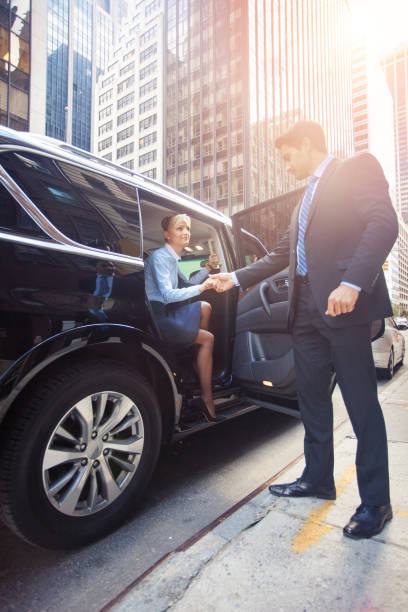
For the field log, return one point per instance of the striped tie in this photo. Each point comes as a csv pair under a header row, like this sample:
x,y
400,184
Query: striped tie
x,y
303,217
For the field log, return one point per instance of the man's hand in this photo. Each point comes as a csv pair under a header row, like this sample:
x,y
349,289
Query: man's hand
x,y
209,283
224,280
342,300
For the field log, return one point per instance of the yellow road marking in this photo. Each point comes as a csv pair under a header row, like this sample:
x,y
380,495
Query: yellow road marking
x,y
403,513
314,528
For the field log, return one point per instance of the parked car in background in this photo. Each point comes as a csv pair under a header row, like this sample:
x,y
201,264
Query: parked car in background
x,y
389,349
401,322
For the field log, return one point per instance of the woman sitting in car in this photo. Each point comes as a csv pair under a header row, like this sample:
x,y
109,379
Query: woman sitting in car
x,y
182,323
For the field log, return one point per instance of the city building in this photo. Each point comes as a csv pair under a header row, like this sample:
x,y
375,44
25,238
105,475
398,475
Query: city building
x,y
15,49
373,129
238,73
128,124
395,65
71,40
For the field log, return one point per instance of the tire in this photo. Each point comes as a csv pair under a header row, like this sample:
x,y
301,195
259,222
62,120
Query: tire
x,y
389,370
78,455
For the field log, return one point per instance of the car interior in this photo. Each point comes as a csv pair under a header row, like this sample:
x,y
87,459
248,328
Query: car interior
x,y
204,241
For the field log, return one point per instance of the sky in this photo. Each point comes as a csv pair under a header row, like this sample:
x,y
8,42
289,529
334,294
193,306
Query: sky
x,y
383,22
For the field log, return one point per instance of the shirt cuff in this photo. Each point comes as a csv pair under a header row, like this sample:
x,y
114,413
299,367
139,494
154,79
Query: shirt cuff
x,y
350,285
235,279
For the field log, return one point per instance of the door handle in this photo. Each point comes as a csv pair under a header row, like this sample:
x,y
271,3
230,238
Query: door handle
x,y
263,290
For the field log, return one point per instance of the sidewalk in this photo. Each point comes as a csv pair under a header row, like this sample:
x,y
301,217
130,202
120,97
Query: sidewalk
x,y
290,555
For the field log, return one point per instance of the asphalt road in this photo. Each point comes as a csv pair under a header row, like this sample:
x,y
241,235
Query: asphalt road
x,y
195,482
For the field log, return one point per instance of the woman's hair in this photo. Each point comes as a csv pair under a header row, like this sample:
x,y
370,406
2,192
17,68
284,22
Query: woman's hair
x,y
165,222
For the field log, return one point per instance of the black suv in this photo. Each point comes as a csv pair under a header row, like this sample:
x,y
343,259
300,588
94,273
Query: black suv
x,y
89,391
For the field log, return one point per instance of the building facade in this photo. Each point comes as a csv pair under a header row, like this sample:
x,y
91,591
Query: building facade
x,y
238,73
395,65
15,69
128,125
373,128
80,34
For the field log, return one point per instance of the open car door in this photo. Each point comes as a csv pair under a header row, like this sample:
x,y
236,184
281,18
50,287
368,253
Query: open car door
x,y
263,356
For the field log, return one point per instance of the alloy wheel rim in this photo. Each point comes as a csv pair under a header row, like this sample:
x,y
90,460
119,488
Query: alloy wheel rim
x,y
93,453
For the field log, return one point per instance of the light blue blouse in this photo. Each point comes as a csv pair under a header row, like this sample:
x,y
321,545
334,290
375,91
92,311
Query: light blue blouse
x,y
162,276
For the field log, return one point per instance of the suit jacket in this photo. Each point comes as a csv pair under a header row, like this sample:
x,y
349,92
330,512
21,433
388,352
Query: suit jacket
x,y
351,228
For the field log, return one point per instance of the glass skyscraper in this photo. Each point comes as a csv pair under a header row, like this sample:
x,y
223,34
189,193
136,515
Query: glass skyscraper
x,y
79,37
239,72
395,65
14,63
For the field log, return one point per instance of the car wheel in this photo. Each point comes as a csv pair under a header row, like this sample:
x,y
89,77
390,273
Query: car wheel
x,y
79,454
389,371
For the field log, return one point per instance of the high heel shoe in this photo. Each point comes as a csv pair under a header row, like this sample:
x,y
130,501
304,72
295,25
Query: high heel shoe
x,y
207,415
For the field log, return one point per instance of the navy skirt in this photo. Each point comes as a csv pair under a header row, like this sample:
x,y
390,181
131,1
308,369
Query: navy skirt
x,y
178,323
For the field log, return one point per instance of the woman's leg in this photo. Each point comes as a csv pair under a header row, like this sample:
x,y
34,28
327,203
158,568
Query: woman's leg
x,y
205,340
205,315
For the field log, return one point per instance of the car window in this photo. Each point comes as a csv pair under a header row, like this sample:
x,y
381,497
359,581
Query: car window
x,y
204,237
268,221
88,207
13,218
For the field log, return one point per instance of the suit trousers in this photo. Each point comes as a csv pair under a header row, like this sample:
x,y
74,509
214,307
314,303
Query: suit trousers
x,y
318,349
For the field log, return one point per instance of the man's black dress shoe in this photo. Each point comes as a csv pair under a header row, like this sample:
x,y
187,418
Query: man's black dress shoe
x,y
302,489
367,521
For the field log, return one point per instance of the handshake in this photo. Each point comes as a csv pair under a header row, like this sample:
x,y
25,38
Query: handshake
x,y
219,282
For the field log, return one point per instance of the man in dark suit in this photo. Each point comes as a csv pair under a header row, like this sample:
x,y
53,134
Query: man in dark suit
x,y
339,236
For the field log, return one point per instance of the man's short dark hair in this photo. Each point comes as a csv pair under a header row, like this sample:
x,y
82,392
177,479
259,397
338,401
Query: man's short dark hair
x,y
302,129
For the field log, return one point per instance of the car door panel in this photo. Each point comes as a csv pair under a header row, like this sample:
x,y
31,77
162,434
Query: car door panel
x,y
263,353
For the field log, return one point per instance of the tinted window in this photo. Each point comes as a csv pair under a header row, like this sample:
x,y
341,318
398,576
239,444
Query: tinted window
x,y
88,207
14,218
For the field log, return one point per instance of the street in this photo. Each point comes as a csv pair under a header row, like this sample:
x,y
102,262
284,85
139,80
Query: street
x,y
195,482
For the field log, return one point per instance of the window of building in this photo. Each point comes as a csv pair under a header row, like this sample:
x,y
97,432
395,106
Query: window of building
x,y
125,117
105,97
147,70
126,133
148,122
129,54
152,173
147,140
148,52
148,105
107,156
148,87
108,81
148,35
105,144
130,164
126,83
106,127
88,207
125,150
105,112
147,158
127,68
152,7
128,99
